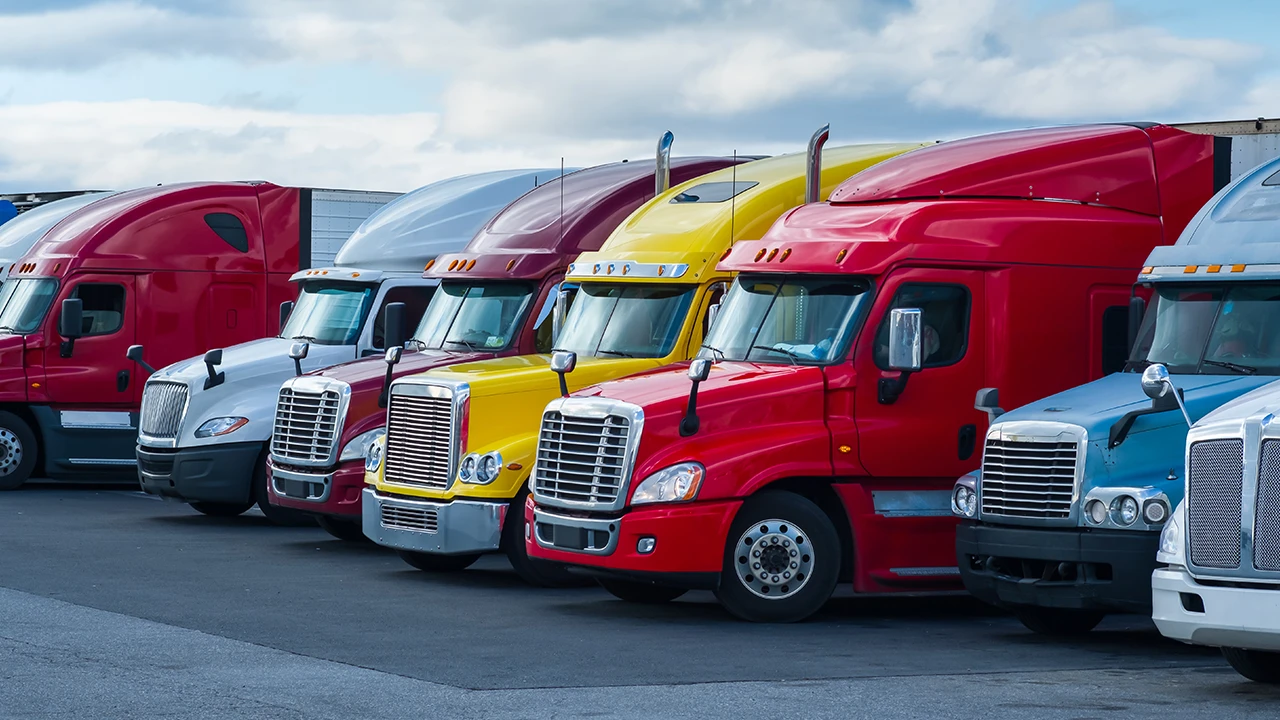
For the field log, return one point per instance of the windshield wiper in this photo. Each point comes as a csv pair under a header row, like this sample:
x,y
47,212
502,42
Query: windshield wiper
x,y
715,350
781,351
470,347
615,352
1242,369
308,338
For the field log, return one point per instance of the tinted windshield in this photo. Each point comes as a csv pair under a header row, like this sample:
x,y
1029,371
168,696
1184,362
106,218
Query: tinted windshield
x,y
626,320
1227,329
329,314
470,316
786,320
24,302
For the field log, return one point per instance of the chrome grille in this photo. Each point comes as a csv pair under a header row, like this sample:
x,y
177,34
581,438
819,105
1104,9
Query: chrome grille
x,y
581,459
405,517
307,425
1215,481
163,404
1028,478
419,435
1266,521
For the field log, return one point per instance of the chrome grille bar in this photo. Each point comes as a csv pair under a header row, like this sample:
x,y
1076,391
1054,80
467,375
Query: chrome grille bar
x,y
310,412
420,436
404,517
586,449
163,406
1030,478
1215,483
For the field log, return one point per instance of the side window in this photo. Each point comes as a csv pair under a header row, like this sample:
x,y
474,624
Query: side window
x,y
230,229
1115,338
542,340
944,321
103,307
415,299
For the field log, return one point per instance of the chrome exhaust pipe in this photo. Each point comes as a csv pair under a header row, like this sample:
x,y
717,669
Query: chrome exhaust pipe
x,y
662,168
813,168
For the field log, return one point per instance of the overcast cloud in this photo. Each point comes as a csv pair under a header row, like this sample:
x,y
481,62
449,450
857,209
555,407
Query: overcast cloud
x,y
390,94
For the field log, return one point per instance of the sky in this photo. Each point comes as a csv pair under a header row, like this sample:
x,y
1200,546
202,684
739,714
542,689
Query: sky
x,y
394,94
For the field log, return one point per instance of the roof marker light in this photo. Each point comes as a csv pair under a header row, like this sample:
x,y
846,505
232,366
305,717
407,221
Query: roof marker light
x,y
626,267
510,264
759,255
1147,270
840,256
662,269
1190,269
595,269
453,264
726,252
56,268
355,275
785,254
609,270
1237,268
471,264
1214,268
324,272
430,263
772,254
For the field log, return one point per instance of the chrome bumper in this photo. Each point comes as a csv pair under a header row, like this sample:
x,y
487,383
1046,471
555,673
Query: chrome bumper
x,y
592,536
1232,617
461,526
311,487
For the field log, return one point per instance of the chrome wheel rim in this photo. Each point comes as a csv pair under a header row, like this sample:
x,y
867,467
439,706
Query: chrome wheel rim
x,y
774,559
10,452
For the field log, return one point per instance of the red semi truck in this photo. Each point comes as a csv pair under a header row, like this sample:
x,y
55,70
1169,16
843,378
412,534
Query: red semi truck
x,y
504,289
181,268
817,436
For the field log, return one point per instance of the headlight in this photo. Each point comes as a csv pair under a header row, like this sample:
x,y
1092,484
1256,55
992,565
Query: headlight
x,y
467,468
1172,551
678,483
964,501
220,426
373,457
488,468
1124,510
359,445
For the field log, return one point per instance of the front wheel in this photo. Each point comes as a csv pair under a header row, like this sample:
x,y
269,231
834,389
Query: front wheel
x,y
1257,665
1055,622
342,529
641,592
783,561
430,562
17,451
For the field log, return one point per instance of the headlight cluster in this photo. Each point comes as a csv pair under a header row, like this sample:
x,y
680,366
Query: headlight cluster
x,y
480,469
220,426
964,501
360,444
678,483
374,454
1125,510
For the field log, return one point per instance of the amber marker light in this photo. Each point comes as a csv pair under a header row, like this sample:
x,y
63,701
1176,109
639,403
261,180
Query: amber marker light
x,y
1214,268
355,275
759,255
56,268
453,264
35,385
726,252
662,269
1237,268
785,254
1147,270
840,256
510,264
595,269
772,254
1190,269
514,466
430,264
845,449
626,269
471,264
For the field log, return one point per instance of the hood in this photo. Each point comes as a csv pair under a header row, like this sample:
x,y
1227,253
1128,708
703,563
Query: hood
x,y
532,373
1260,401
371,371
1096,406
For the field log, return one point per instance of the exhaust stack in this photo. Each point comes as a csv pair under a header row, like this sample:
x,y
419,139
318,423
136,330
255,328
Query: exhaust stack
x,y
813,168
662,169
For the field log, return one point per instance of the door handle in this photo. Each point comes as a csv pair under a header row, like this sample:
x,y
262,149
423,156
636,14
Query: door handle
x,y
122,381
966,441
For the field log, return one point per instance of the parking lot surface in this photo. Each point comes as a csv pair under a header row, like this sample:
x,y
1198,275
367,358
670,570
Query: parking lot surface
x,y
115,604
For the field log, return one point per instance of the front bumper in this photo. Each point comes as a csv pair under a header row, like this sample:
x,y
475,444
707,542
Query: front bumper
x,y
689,541
1107,570
1231,617
445,528
321,491
212,473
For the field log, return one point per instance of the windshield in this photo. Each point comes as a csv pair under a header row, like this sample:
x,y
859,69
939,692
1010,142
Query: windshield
x,y
24,302
789,320
329,314
462,315
641,321
1198,329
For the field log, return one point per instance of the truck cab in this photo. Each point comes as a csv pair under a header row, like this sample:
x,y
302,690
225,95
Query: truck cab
x,y
205,426
498,298
461,441
178,268
1061,522
816,437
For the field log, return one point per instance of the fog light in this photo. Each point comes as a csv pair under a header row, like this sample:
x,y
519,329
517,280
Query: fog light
x,y
645,545
1096,512
1155,511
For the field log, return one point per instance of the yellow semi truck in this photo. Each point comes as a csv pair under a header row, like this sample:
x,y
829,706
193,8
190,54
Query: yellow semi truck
x,y
448,482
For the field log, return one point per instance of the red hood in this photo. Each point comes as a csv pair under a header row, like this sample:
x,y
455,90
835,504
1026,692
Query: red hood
x,y
782,400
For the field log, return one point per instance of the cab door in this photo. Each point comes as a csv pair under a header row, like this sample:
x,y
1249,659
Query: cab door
x,y
929,433
96,371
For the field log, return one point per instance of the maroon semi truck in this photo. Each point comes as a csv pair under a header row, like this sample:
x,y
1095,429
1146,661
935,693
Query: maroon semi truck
x,y
508,278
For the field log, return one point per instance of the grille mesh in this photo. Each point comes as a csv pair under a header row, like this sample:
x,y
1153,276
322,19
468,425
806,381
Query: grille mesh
x,y
306,425
404,517
581,459
419,434
163,404
1266,522
1215,481
1028,478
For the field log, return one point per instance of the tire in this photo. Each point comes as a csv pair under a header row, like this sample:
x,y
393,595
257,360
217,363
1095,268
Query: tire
x,y
538,573
1054,622
282,516
213,509
17,451
342,529
792,535
1257,665
641,592
432,563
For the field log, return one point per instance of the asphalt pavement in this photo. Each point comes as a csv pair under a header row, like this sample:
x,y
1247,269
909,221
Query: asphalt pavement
x,y
116,604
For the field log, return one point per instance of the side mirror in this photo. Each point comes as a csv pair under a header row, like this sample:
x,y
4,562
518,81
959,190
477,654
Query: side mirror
x,y
559,313
393,326
393,355
134,353
562,363
1137,308
70,324
699,369
286,309
1157,384
906,345
212,359
298,352
988,401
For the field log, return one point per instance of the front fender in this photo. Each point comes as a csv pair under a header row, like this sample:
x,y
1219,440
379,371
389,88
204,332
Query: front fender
x,y
520,451
741,462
